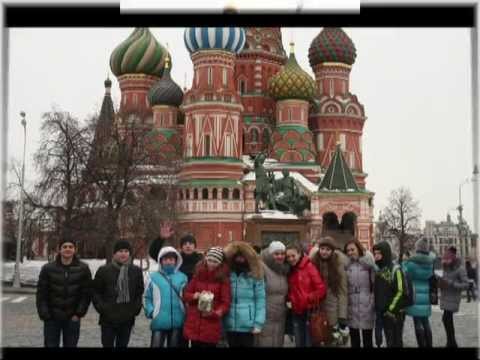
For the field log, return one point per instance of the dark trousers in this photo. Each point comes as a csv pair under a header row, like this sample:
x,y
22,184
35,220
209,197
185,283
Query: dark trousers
x,y
240,339
182,342
423,332
366,336
447,320
378,329
301,330
69,331
393,330
116,335
471,292
199,344
170,336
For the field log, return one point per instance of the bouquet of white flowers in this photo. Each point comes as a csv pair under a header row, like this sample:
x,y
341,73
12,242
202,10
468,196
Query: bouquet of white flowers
x,y
205,301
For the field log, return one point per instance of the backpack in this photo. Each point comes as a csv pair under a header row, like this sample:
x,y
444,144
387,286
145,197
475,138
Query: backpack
x,y
408,296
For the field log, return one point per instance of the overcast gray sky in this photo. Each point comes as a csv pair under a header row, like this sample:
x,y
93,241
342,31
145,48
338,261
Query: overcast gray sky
x,y
414,84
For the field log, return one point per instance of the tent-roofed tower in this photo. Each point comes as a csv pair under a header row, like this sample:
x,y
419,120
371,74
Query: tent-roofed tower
x,y
344,210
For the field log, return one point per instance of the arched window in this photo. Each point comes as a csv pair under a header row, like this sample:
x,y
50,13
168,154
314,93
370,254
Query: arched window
x,y
204,194
224,193
215,194
187,194
195,194
180,193
242,86
254,135
210,76
236,194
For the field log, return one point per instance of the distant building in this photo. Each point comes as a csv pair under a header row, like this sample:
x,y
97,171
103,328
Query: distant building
x,y
447,233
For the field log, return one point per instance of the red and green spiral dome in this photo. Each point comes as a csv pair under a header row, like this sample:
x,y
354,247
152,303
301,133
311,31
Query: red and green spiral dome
x,y
332,45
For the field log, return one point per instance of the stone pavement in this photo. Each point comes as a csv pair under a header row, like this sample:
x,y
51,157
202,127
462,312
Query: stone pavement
x,y
21,326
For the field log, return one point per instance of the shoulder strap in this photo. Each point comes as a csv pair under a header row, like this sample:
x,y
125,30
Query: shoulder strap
x,y
171,285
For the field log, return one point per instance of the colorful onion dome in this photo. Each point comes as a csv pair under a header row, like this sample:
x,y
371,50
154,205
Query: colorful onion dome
x,y
140,53
292,82
165,91
221,38
332,45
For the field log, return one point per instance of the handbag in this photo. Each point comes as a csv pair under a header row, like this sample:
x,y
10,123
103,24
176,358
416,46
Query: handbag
x,y
320,331
433,287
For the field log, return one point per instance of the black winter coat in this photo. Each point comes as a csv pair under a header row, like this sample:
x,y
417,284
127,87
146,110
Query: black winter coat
x,y
105,295
63,290
189,263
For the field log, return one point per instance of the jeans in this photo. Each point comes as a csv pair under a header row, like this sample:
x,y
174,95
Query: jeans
x,y
355,338
68,329
301,330
240,339
171,336
423,332
116,335
447,320
393,329
378,329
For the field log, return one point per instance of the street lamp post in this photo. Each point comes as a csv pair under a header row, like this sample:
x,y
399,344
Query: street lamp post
x,y
463,239
16,278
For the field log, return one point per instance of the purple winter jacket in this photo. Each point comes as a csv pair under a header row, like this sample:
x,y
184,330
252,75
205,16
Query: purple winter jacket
x,y
361,304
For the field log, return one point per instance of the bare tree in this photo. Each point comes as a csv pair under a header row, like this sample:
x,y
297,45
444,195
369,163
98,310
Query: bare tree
x,y
113,170
60,161
402,216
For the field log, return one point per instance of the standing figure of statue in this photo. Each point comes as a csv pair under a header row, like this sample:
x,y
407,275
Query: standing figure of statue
x,y
263,188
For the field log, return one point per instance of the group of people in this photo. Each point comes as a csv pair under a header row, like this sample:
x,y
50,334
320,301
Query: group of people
x,y
238,296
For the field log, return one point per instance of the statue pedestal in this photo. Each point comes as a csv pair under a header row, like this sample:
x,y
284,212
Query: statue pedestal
x,y
270,225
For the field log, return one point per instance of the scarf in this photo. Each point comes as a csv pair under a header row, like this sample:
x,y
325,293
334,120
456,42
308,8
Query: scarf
x,y
123,292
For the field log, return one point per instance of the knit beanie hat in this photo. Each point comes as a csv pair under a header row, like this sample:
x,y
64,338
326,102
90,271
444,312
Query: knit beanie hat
x,y
122,245
66,240
188,239
422,245
276,246
215,253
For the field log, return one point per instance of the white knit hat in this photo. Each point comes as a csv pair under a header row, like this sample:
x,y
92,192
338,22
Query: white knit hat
x,y
276,246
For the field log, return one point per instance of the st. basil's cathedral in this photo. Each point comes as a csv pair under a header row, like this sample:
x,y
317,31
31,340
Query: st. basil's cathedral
x,y
247,96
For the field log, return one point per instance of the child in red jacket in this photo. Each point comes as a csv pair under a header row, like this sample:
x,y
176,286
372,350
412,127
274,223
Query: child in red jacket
x,y
208,297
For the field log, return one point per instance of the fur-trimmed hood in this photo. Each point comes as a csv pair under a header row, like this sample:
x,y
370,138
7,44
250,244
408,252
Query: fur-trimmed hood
x,y
169,249
280,269
253,259
339,257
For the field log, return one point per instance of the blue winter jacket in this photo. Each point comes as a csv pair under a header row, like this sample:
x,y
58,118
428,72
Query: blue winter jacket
x,y
419,268
161,302
247,309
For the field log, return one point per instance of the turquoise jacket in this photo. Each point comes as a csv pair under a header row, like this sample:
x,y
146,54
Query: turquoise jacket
x,y
419,268
161,303
247,309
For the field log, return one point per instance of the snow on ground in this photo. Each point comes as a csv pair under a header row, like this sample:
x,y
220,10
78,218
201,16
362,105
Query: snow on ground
x,y
30,269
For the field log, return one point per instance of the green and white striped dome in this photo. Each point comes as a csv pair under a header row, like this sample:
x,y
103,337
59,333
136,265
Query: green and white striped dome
x,y
140,53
